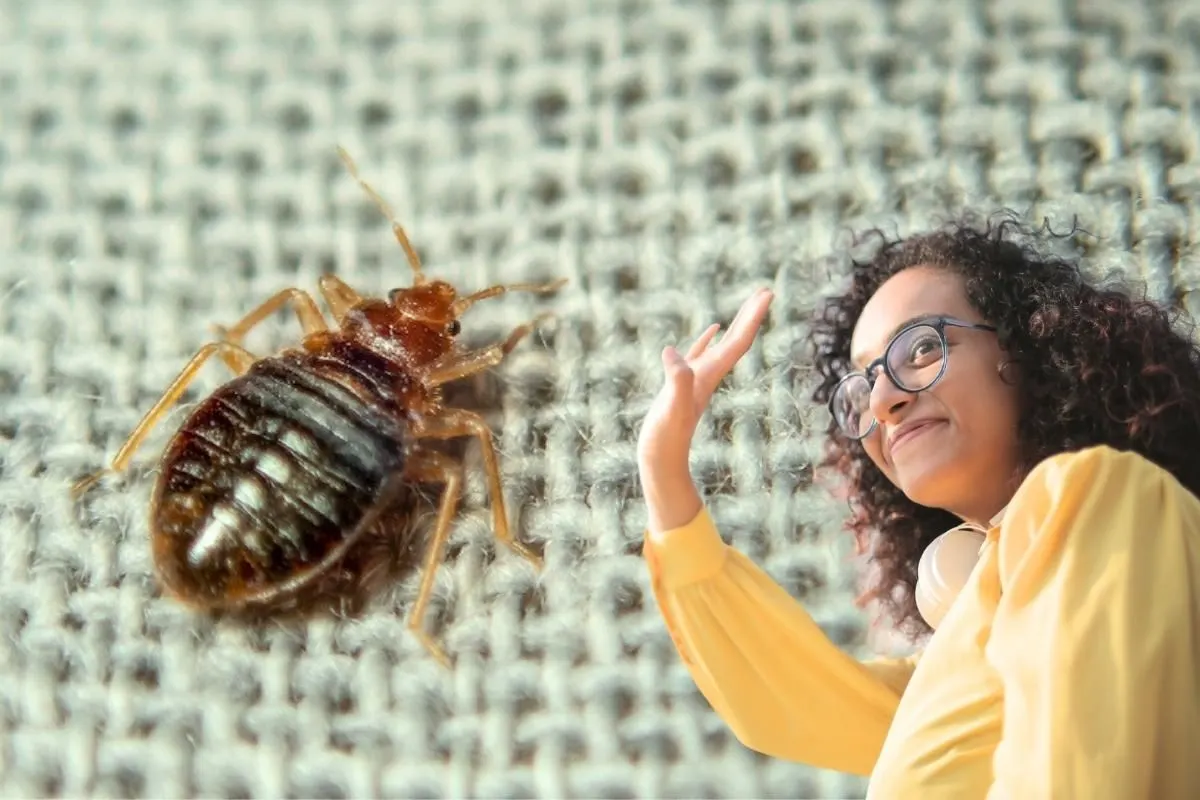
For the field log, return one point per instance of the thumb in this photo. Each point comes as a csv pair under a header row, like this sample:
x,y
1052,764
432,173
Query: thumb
x,y
679,375
667,429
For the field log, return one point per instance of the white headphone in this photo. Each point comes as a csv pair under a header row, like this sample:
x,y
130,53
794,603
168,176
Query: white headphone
x,y
944,568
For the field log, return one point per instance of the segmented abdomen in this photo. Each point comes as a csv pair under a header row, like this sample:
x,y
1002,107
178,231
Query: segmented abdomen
x,y
271,474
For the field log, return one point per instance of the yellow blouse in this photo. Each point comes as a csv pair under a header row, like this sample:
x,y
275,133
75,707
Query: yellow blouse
x,y
1068,666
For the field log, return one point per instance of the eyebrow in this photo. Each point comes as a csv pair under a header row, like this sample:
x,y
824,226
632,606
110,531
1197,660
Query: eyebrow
x,y
927,317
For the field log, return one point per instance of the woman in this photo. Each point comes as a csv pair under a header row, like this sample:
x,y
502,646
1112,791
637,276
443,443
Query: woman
x,y
1051,431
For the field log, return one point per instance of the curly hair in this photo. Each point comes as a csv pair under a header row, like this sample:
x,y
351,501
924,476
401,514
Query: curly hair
x,y
1097,366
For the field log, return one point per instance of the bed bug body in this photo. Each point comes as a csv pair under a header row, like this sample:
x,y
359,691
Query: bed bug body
x,y
274,474
277,474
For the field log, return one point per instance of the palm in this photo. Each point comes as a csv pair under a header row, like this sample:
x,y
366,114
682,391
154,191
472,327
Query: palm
x,y
691,380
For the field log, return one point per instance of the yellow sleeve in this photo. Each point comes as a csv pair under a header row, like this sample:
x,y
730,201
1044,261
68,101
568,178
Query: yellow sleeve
x,y
1096,637
761,661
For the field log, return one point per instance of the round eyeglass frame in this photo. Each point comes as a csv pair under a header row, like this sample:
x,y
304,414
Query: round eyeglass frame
x,y
938,324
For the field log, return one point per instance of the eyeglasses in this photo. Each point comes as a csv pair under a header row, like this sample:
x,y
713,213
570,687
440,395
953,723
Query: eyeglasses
x,y
915,359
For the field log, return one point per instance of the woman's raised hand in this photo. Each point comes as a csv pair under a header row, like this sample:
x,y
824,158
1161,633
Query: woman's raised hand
x,y
669,425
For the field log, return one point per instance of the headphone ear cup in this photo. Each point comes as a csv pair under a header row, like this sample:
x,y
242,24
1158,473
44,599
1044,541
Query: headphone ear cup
x,y
943,570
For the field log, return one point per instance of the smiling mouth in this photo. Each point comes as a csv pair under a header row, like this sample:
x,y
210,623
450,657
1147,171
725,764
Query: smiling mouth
x,y
913,433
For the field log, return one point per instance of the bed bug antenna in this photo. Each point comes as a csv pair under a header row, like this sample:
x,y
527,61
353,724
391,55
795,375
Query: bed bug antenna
x,y
463,303
414,260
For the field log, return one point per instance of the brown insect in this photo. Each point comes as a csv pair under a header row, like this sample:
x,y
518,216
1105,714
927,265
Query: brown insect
x,y
278,473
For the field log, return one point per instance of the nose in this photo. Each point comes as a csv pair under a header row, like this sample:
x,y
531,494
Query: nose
x,y
887,401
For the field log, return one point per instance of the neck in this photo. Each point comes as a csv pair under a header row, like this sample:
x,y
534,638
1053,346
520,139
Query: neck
x,y
988,508
985,515
994,519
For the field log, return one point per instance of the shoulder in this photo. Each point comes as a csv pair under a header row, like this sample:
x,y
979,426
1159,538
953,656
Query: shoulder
x,y
1098,470
1099,498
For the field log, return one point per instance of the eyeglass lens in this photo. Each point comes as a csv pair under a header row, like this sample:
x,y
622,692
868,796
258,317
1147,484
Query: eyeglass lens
x,y
914,361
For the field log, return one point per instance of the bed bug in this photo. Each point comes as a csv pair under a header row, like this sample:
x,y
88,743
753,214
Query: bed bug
x,y
275,476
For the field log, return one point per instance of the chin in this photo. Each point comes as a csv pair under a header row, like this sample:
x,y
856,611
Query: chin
x,y
932,480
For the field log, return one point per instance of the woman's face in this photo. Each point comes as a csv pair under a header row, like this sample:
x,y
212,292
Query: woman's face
x,y
954,445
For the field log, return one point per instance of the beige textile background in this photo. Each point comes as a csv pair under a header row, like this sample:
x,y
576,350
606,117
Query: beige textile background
x,y
164,166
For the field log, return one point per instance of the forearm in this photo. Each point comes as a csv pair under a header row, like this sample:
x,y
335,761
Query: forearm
x,y
764,665
672,499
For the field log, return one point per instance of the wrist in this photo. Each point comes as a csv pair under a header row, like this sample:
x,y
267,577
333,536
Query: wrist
x,y
674,511
672,499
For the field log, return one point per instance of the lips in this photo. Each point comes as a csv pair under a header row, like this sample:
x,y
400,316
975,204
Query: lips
x,y
909,432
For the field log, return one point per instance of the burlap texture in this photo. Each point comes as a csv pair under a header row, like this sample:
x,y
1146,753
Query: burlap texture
x,y
166,166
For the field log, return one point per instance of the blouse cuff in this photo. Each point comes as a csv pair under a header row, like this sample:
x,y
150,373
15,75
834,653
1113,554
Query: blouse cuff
x,y
690,553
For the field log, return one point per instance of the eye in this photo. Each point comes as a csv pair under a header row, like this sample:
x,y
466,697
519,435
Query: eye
x,y
453,328
924,349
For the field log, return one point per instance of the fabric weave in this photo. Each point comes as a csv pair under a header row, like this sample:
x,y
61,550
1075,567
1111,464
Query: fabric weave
x,y
165,166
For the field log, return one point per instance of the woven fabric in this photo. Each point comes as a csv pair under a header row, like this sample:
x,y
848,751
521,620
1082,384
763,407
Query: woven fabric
x,y
167,166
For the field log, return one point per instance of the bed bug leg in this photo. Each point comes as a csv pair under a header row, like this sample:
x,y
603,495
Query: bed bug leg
x,y
521,331
239,360
430,467
339,295
454,423
462,365
302,303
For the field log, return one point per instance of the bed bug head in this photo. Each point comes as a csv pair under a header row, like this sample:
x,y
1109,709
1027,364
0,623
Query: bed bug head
x,y
432,304
435,304
424,318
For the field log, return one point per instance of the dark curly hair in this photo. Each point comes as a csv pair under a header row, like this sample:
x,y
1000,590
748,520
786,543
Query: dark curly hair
x,y
1097,366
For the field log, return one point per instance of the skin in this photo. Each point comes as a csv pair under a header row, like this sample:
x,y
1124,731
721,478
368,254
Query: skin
x,y
965,463
672,499
965,460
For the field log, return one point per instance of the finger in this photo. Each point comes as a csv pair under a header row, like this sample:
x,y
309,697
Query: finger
x,y
703,342
741,332
672,420
676,392
746,304
734,344
679,374
751,313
